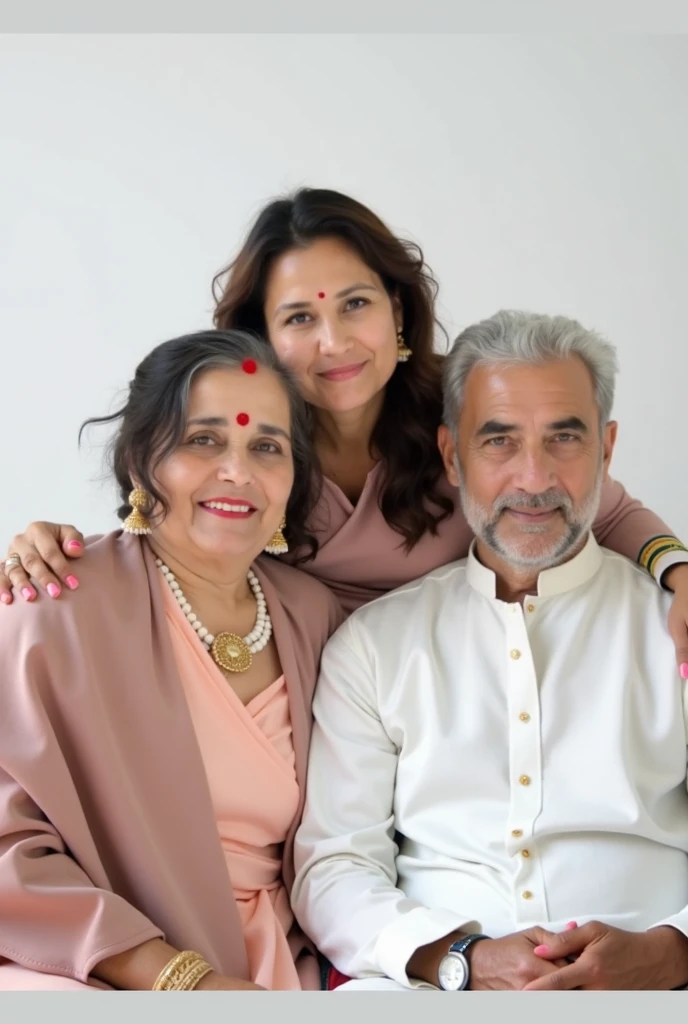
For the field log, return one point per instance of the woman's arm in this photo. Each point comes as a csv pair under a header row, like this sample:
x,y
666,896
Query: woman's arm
x,y
56,921
138,969
624,525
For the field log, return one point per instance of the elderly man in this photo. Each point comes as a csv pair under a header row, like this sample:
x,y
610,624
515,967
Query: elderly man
x,y
497,787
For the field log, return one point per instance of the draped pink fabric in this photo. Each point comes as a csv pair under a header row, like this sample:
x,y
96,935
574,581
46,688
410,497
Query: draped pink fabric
x,y
108,831
249,760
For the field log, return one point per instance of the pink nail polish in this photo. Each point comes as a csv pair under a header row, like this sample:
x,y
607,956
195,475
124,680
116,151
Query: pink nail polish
x,y
571,924
28,593
683,669
74,545
53,589
72,582
541,949
6,597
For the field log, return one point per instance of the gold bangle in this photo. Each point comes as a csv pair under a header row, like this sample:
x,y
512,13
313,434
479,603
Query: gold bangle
x,y
193,976
175,972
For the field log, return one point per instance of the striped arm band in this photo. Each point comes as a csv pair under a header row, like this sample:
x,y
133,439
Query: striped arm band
x,y
655,548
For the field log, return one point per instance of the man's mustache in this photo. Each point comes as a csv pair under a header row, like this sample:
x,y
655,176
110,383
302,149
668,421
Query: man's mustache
x,y
550,499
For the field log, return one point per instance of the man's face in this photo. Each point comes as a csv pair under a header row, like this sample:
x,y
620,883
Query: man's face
x,y
530,458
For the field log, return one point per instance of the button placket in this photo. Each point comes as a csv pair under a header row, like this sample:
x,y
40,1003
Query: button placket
x,y
525,766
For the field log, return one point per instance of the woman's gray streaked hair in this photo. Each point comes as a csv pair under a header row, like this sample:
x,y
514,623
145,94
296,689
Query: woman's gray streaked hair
x,y
512,336
152,421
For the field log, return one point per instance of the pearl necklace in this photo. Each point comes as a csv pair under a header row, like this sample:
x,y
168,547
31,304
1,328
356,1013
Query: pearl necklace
x,y
231,652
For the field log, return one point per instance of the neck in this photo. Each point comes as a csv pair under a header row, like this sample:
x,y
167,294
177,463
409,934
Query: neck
x,y
224,582
344,432
516,582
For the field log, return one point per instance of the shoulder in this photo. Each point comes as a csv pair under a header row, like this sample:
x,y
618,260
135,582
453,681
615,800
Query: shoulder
x,y
301,592
43,642
623,574
104,570
392,610
619,567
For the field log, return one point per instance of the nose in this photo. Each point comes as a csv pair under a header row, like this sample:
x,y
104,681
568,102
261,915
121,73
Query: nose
x,y
535,470
332,337
235,466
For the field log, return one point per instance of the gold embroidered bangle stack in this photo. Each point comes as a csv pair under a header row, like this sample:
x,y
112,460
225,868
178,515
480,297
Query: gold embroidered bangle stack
x,y
655,548
182,973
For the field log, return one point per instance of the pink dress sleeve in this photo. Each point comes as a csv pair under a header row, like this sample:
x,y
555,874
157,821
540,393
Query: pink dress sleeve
x,y
624,525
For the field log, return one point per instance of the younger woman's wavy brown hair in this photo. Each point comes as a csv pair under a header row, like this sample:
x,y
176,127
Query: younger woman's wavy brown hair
x,y
405,436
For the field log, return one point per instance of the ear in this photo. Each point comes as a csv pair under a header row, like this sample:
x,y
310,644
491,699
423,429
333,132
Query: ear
x,y
398,313
608,442
445,443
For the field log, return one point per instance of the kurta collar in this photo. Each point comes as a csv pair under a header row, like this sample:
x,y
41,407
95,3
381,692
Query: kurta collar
x,y
558,580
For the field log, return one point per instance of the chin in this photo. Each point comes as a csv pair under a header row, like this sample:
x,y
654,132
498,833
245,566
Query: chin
x,y
221,548
537,550
348,399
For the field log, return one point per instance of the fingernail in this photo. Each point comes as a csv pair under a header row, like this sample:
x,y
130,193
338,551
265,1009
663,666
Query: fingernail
x,y
74,545
5,597
571,924
683,669
28,593
53,589
541,949
72,582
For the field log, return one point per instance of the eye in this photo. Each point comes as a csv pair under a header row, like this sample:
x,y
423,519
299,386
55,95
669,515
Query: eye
x,y
201,441
565,438
496,442
270,447
356,303
297,319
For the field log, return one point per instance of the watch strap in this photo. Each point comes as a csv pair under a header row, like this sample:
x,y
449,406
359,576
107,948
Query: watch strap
x,y
465,943
462,947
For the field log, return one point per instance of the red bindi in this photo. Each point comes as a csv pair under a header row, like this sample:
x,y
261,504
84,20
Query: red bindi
x,y
242,419
249,366
321,295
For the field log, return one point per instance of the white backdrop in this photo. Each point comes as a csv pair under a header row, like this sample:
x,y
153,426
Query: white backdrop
x,y
539,172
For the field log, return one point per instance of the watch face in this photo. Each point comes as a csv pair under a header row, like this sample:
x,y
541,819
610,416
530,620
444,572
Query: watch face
x,y
453,972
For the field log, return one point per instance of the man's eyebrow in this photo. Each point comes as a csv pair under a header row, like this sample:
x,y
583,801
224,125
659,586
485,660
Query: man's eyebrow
x,y
569,423
492,427
495,427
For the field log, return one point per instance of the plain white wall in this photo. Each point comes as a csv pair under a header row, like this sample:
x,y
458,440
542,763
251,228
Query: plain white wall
x,y
540,172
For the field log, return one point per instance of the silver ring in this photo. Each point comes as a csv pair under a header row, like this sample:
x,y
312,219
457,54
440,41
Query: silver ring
x,y
13,561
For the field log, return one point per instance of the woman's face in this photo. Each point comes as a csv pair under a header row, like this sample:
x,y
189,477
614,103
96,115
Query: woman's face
x,y
331,321
229,480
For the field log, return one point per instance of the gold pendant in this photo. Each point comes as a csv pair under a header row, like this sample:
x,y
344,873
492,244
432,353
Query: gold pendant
x,y
231,652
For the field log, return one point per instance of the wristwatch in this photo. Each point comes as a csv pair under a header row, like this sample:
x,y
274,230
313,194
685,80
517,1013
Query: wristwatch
x,y
454,972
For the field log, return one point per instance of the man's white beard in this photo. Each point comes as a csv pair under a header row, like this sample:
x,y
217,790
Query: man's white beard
x,y
578,519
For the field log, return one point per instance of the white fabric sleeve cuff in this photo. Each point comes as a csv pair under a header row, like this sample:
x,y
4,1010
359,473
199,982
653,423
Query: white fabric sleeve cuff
x,y
398,941
665,562
678,921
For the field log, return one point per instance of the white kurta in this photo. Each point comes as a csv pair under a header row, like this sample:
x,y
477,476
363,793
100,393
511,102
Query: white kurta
x,y
531,757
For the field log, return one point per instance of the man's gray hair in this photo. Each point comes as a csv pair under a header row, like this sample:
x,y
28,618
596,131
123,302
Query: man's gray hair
x,y
512,336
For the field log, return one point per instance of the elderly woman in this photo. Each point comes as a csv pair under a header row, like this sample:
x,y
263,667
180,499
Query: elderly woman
x,y
154,729
350,308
